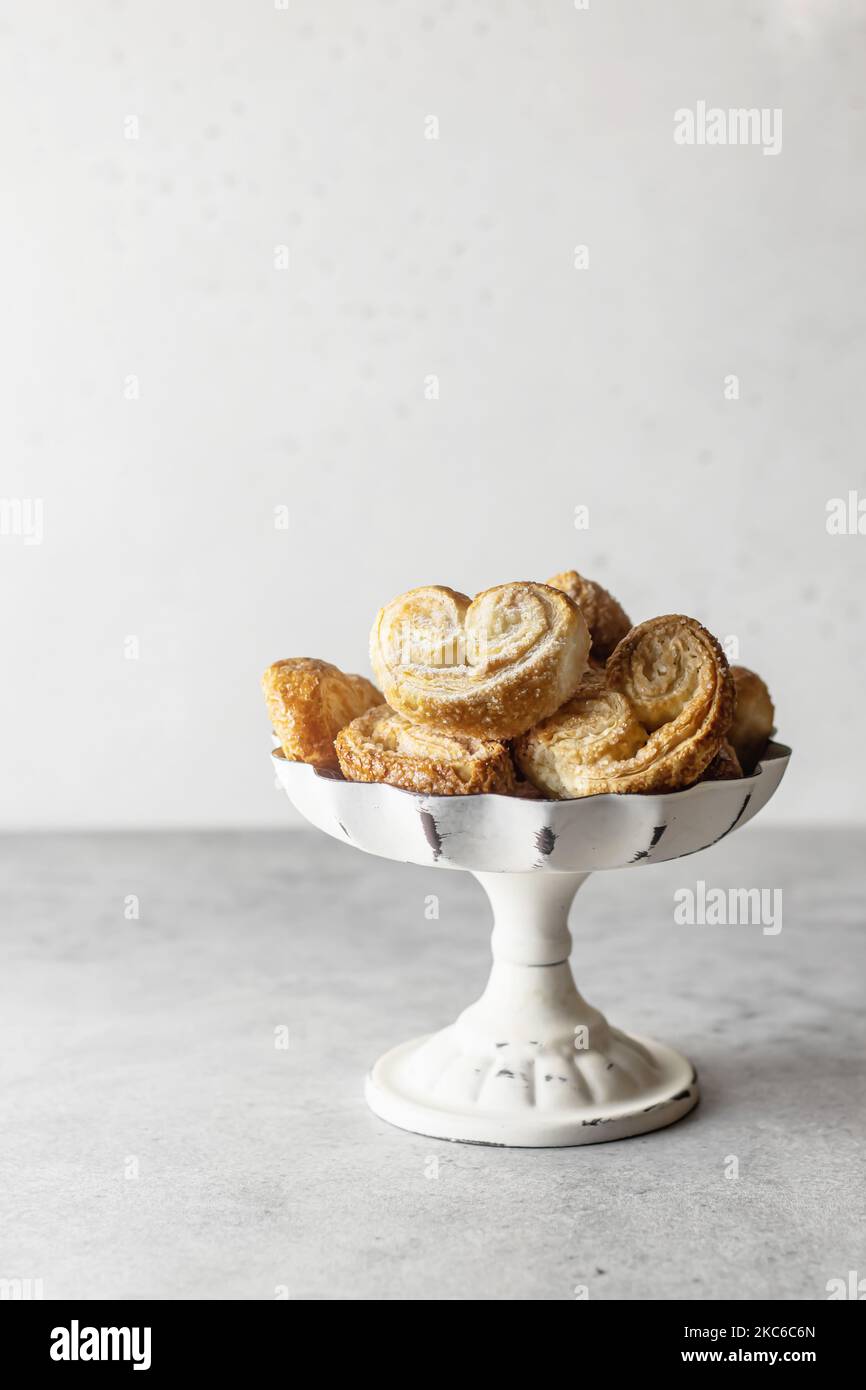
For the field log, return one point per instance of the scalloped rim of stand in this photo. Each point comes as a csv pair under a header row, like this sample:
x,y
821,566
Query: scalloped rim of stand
x,y
655,1107
494,832
774,752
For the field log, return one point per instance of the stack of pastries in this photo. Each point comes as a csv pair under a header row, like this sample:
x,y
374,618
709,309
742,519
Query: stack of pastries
x,y
535,690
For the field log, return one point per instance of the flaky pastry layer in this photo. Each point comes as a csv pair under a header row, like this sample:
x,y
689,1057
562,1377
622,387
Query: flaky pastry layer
x,y
754,716
488,667
309,702
606,619
652,721
382,746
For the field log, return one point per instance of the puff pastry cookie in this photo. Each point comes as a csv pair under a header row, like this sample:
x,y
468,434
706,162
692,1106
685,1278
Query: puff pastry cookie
x,y
488,667
607,621
382,746
725,766
753,717
652,721
309,702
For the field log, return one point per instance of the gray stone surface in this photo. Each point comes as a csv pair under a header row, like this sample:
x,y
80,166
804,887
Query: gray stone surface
x,y
153,1040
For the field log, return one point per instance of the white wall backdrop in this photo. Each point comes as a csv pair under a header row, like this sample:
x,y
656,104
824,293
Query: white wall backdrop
x,y
167,385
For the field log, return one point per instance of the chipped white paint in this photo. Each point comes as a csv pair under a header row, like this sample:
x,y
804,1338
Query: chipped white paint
x,y
530,1063
504,834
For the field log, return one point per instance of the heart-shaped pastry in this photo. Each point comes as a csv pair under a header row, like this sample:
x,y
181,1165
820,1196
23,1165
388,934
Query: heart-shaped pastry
x,y
488,667
652,721
309,702
382,746
606,619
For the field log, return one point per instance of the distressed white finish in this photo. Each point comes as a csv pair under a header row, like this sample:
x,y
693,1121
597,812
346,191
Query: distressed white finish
x,y
530,1063
505,834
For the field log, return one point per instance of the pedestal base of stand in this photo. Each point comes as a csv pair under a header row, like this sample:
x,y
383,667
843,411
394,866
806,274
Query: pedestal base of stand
x,y
531,1064
430,1086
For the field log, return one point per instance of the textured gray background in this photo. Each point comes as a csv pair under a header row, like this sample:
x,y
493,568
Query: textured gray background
x,y
304,127
259,1167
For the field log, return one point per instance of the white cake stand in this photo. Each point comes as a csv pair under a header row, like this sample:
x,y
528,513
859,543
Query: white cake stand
x,y
530,1063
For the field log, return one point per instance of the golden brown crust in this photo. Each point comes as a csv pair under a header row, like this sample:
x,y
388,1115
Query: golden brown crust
x,y
606,619
754,716
652,721
725,766
382,746
489,667
309,702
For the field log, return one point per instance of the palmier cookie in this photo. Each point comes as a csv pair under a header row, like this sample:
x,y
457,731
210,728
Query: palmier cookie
x,y
381,746
754,716
652,721
606,619
488,667
309,702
